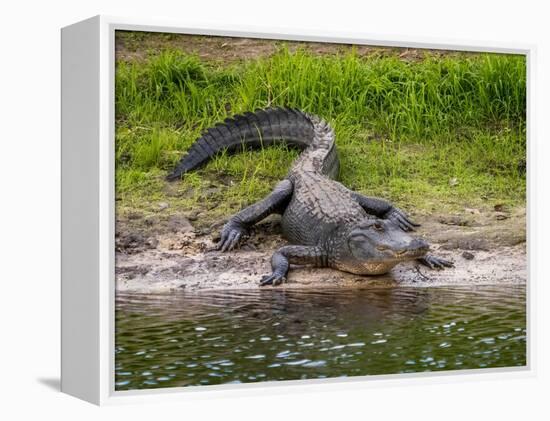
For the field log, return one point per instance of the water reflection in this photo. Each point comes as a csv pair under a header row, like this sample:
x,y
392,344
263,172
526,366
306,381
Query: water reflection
x,y
275,334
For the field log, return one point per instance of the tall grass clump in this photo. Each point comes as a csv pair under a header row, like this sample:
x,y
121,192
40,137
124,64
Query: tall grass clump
x,y
404,128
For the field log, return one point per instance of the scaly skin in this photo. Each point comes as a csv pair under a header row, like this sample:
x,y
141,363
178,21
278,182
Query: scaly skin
x,y
328,224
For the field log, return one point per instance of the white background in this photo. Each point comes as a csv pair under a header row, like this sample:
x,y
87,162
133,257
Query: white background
x,y
29,207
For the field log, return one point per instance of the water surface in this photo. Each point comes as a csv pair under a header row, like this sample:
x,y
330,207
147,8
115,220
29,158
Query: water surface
x,y
220,337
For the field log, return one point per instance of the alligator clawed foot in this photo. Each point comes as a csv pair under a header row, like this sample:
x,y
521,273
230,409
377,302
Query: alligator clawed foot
x,y
273,279
434,262
399,217
230,236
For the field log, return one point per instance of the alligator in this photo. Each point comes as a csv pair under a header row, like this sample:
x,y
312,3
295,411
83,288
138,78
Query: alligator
x,y
327,224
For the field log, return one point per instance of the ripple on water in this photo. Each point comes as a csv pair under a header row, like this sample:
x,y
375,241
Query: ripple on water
x,y
249,336
256,357
298,362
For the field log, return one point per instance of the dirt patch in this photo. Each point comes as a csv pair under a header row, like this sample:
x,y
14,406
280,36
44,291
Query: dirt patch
x,y
131,46
162,254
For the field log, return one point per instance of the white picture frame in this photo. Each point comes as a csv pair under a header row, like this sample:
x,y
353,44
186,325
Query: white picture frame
x,y
88,283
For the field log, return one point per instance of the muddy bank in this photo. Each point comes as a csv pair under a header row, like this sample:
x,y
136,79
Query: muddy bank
x,y
166,253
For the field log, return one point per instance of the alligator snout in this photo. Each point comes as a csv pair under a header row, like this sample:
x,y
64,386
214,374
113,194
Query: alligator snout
x,y
416,247
418,244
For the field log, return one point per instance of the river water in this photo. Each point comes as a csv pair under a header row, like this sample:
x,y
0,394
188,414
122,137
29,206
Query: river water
x,y
269,334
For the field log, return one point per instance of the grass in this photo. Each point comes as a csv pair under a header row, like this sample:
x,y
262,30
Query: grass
x,y
443,132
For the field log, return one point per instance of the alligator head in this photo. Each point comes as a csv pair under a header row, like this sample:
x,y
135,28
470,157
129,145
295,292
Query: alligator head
x,y
377,245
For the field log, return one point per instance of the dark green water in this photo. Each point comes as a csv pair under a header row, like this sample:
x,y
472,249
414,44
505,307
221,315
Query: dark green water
x,y
272,334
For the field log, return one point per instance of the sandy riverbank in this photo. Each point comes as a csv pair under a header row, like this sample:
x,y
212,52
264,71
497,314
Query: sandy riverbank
x,y
167,253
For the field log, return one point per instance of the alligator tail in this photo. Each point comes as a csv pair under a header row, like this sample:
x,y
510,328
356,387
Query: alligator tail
x,y
250,130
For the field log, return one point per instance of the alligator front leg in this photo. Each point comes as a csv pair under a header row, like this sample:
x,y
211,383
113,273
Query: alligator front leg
x,y
238,225
434,262
300,255
384,209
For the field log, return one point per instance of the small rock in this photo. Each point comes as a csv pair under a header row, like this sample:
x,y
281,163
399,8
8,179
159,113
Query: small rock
x,y
152,242
466,243
454,182
134,215
163,205
501,215
467,255
454,220
150,221
131,242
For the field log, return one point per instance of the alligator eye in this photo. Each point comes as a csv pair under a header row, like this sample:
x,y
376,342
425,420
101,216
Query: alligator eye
x,y
378,226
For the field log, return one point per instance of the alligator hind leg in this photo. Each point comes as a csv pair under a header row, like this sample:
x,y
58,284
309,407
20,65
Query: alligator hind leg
x,y
300,255
384,209
434,262
238,225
